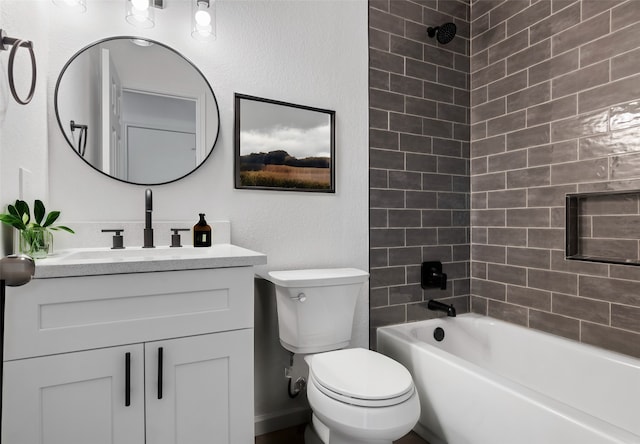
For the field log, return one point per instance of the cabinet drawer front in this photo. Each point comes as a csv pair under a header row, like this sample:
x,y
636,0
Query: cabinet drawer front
x,y
51,316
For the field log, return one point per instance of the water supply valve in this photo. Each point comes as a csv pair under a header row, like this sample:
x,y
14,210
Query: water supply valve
x,y
294,388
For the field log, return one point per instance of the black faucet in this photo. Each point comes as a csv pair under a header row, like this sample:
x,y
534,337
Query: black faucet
x,y
439,306
148,229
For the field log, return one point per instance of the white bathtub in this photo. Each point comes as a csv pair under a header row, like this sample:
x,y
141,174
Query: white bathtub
x,y
491,382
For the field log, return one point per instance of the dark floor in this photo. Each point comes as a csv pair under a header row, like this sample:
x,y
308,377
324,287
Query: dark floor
x,y
295,435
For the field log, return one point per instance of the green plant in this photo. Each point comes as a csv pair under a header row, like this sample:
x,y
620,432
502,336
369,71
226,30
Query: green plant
x,y
35,234
19,217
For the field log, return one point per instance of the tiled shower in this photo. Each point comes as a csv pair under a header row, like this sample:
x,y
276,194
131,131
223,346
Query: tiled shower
x,y
419,157
475,144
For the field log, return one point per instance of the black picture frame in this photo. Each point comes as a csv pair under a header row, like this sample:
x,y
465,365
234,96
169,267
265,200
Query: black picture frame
x,y
283,146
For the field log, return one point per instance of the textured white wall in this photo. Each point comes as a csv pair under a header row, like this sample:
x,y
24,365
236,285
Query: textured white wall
x,y
23,129
311,52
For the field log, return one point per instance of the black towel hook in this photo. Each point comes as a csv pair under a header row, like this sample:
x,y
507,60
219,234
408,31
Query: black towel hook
x,y
5,42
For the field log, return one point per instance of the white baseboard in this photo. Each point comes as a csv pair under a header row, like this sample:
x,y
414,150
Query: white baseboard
x,y
281,420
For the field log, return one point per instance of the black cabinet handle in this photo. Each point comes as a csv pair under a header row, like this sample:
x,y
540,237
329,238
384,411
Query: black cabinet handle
x,y
160,373
127,379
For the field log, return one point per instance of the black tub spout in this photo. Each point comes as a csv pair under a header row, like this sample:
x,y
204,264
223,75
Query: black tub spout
x,y
439,306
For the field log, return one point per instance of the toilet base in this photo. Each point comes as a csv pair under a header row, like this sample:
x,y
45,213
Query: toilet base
x,y
318,433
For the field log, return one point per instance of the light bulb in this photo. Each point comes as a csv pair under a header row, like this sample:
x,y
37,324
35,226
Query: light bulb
x,y
140,4
139,13
203,18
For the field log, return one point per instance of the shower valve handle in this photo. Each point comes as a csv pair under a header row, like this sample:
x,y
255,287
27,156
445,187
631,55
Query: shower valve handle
x,y
431,275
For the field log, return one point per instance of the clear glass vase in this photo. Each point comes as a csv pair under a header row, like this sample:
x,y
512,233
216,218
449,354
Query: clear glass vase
x,y
36,242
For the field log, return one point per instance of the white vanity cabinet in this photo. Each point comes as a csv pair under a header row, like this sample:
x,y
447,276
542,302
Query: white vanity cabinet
x,y
74,398
160,357
206,391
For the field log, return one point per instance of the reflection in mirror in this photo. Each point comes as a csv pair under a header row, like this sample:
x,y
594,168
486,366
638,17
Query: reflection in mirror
x,y
136,110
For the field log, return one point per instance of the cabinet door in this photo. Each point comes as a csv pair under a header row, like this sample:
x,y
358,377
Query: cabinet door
x,y
205,392
75,398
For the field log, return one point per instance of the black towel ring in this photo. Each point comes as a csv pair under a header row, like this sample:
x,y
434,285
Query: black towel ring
x,y
15,45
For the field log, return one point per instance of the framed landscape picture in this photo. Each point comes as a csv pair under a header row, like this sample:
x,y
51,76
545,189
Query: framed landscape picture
x,y
282,146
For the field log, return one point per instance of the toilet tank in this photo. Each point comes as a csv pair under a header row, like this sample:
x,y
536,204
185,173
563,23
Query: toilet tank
x,y
316,307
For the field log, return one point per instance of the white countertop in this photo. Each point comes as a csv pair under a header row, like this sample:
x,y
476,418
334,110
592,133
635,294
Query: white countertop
x,y
98,261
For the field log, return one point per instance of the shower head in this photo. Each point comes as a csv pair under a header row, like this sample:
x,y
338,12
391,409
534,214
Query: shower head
x,y
444,34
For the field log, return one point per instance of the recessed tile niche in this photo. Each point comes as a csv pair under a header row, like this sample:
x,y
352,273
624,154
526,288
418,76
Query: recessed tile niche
x,y
604,227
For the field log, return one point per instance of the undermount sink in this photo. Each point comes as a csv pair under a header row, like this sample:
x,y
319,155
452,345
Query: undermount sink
x,y
138,253
94,261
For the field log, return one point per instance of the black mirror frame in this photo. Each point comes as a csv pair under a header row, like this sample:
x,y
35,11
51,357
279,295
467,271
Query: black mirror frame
x,y
60,125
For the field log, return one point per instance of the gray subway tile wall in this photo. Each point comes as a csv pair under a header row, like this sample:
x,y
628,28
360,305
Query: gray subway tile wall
x,y
474,145
419,161
580,132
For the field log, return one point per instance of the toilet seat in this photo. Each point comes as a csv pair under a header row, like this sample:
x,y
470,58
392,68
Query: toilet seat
x,y
360,377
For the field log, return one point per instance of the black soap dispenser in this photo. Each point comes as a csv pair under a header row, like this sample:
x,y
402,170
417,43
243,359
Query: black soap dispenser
x,y
201,233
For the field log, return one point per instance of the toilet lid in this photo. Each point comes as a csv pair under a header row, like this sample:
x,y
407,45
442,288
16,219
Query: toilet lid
x,y
361,377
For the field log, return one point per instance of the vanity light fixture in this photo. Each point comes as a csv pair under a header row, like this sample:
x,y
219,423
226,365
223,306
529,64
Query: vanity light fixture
x,y
203,20
139,13
141,42
72,5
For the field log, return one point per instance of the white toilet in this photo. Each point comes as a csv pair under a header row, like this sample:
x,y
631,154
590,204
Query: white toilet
x,y
357,395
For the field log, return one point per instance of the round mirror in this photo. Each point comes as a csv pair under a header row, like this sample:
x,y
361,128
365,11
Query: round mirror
x,y
136,110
